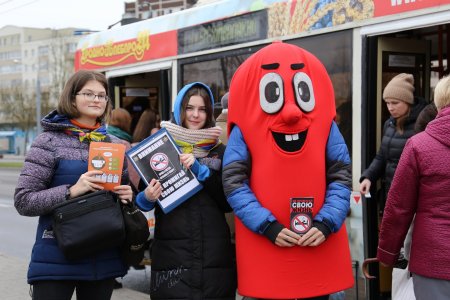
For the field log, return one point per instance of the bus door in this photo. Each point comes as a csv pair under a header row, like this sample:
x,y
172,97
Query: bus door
x,y
138,92
388,57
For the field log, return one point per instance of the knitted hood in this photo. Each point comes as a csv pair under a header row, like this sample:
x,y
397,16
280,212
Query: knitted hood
x,y
180,96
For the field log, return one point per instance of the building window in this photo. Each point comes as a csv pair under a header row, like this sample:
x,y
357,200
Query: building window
x,y
43,66
43,50
71,47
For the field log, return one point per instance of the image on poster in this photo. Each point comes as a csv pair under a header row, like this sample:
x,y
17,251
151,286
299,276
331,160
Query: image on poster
x,y
158,157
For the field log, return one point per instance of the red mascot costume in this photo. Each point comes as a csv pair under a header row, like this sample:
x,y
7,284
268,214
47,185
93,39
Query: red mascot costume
x,y
285,144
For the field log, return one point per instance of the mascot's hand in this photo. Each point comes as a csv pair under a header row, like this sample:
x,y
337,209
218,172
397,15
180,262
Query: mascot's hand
x,y
314,237
287,238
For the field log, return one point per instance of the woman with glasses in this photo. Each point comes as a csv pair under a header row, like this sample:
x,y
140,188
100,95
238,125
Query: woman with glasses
x,y
192,256
55,170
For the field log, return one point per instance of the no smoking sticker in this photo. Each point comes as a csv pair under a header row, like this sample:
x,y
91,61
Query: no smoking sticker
x,y
301,223
159,162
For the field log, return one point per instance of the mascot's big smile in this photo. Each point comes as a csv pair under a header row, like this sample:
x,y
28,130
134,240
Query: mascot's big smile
x,y
290,142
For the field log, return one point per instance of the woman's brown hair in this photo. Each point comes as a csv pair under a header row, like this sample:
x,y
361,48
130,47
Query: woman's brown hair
x,y
400,121
147,121
121,119
202,92
66,103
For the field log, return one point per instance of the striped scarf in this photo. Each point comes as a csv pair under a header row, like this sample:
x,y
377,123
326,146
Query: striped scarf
x,y
196,141
83,132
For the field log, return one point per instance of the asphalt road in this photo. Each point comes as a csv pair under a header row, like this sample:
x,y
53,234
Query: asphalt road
x,y
17,233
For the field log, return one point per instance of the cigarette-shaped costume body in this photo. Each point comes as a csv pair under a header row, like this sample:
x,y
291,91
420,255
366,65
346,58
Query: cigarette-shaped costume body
x,y
284,143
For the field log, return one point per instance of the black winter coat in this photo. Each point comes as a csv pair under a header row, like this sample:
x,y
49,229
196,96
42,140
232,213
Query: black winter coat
x,y
392,144
192,256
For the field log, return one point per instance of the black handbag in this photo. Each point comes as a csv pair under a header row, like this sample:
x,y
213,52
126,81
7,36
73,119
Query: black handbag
x,y
137,233
88,224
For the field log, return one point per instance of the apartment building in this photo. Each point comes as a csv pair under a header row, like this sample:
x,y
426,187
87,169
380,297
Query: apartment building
x,y
34,65
146,9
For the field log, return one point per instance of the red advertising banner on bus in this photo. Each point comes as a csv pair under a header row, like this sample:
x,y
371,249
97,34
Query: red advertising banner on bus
x,y
389,7
143,48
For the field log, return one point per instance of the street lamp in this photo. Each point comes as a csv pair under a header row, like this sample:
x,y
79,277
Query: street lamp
x,y
38,105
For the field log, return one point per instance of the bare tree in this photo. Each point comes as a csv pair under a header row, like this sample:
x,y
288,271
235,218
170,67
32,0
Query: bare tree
x,y
19,108
61,64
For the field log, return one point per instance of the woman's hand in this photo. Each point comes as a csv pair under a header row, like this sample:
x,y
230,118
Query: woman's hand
x,y
124,192
153,190
364,187
314,237
187,159
287,238
88,182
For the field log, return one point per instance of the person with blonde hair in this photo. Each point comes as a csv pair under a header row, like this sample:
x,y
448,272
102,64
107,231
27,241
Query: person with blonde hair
x,y
420,188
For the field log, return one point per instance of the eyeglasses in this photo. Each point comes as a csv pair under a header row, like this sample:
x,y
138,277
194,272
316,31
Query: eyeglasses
x,y
91,96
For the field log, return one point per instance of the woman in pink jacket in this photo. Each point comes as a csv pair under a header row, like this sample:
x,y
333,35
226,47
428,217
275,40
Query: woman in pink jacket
x,y
421,187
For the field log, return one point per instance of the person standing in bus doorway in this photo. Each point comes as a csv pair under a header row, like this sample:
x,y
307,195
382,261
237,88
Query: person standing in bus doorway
x,y
427,115
192,255
223,118
119,126
55,170
404,108
420,187
222,122
148,123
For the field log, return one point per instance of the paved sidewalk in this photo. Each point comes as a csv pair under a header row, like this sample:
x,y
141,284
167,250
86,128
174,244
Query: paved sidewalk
x,y
13,282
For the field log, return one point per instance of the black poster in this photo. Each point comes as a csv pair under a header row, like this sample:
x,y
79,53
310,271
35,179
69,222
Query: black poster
x,y
158,157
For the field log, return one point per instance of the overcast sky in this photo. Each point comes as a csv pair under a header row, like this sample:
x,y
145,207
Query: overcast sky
x,y
87,14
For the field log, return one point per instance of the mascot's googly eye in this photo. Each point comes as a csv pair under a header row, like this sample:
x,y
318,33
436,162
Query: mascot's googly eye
x,y
304,92
271,96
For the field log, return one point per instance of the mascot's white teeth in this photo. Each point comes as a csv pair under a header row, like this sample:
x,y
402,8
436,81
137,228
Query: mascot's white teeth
x,y
290,142
291,137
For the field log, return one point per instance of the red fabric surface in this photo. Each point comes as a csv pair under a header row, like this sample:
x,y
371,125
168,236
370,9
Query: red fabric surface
x,y
264,269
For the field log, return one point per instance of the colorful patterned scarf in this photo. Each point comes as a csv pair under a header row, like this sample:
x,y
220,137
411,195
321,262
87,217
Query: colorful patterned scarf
x,y
196,141
96,133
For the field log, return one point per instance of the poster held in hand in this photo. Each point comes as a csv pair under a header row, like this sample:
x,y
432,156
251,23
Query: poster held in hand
x,y
108,158
158,157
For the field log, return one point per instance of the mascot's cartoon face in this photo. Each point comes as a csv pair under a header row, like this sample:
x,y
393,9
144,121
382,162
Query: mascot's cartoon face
x,y
290,126
280,95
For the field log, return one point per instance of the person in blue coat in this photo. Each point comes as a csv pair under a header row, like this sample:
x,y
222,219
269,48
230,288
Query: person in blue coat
x,y
55,170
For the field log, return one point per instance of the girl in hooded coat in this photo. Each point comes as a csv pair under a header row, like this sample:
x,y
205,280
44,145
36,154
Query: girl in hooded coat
x,y
192,257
